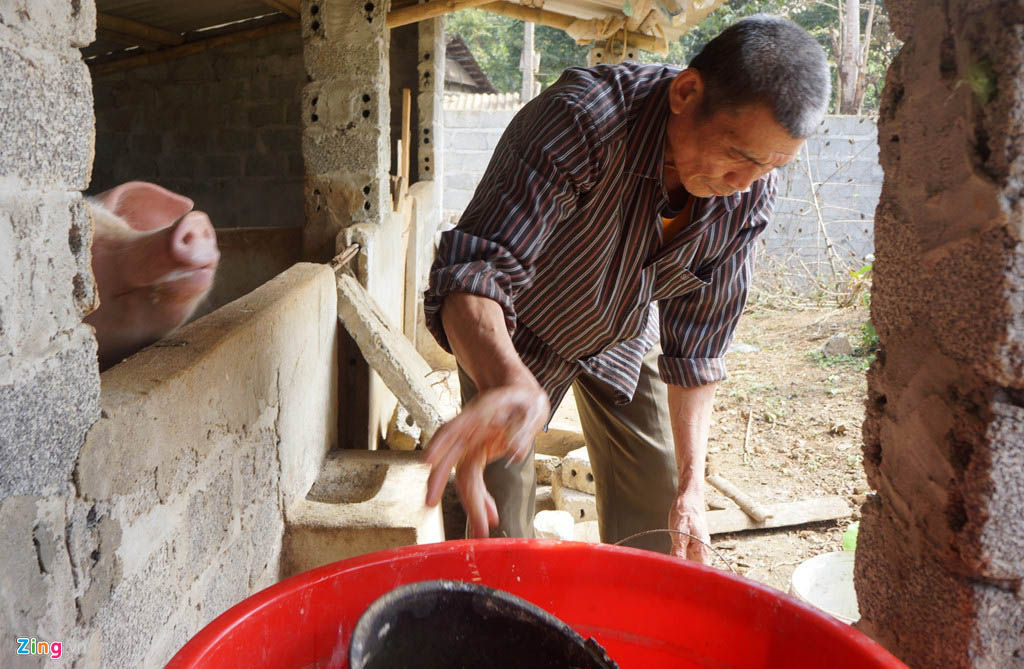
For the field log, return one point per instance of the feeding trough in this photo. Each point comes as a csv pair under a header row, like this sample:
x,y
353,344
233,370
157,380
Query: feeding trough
x,y
645,609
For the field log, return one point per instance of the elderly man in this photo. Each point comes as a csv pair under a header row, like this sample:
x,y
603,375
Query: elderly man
x,y
609,247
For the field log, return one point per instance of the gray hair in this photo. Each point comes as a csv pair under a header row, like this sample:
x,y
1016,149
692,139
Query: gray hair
x,y
769,60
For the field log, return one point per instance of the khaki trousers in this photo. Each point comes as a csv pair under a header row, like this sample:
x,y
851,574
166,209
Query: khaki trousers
x,y
632,455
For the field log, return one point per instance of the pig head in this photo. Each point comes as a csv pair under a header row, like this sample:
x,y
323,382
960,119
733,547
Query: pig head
x,y
153,259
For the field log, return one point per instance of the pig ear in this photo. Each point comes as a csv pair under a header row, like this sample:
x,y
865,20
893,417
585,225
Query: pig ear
x,y
145,206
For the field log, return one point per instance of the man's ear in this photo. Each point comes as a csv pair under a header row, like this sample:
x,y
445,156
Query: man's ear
x,y
685,91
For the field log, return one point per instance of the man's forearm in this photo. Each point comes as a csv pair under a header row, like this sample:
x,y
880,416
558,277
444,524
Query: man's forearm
x,y
476,331
690,411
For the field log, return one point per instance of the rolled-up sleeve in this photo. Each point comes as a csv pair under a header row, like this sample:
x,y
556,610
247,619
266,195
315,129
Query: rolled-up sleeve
x,y
697,328
546,160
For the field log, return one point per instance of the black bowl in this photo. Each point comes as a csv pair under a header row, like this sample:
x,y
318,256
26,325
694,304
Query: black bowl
x,y
453,624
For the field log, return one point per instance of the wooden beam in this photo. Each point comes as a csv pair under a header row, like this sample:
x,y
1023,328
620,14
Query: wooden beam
x,y
429,10
563,21
142,31
191,48
126,40
283,7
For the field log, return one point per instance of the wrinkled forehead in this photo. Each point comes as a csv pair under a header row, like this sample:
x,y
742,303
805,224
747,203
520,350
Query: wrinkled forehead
x,y
754,131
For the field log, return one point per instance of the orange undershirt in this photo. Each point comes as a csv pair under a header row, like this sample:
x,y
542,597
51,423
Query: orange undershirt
x,y
672,226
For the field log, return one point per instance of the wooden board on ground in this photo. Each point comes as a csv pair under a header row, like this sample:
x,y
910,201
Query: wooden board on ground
x,y
784,514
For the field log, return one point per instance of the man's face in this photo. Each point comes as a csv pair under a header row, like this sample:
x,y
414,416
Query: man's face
x,y
723,153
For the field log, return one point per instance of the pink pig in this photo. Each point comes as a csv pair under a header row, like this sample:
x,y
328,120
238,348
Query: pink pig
x,y
153,259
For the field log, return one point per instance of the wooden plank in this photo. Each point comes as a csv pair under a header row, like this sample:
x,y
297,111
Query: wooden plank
x,y
390,354
784,514
146,33
429,10
744,501
406,142
191,48
283,7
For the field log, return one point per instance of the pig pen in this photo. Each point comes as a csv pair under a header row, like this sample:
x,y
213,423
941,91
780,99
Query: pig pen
x,y
138,504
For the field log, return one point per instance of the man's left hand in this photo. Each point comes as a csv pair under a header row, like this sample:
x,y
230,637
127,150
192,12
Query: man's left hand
x,y
687,515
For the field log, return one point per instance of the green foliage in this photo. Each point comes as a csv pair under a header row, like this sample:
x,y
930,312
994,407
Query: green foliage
x,y
497,41
855,361
868,339
982,81
497,44
818,18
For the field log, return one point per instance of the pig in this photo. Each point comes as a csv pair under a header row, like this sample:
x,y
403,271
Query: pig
x,y
154,261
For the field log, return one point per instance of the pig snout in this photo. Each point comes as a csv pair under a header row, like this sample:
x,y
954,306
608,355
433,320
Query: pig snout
x,y
193,243
149,281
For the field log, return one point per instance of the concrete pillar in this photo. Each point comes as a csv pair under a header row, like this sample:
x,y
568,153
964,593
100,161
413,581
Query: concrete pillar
x,y
49,377
430,108
940,563
346,116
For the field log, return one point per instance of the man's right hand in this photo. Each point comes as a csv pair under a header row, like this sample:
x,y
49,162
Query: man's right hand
x,y
499,422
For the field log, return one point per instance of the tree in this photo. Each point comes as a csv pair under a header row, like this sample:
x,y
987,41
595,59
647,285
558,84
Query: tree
x,y
497,42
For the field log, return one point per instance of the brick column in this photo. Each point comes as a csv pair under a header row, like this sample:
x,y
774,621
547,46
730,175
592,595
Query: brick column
x,y
429,104
941,557
346,114
49,377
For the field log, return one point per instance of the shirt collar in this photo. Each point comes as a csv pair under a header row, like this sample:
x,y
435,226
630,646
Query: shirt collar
x,y
647,143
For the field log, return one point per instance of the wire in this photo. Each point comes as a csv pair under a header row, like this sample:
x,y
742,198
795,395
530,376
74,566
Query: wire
x,y
650,532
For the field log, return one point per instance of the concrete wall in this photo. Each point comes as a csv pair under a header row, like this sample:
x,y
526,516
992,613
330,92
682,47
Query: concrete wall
x,y
843,185
49,377
249,257
940,560
472,127
183,482
221,127
837,174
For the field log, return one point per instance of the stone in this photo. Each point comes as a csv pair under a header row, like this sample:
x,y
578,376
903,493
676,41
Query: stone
x,y
587,531
47,409
837,344
546,466
560,438
577,473
581,505
544,501
47,125
553,525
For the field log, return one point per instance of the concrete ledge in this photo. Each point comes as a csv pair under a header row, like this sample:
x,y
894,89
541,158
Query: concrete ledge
x,y
363,501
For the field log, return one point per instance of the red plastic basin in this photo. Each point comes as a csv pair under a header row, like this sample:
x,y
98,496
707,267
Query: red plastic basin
x,y
648,610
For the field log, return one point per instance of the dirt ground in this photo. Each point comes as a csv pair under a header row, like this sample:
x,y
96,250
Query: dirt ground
x,y
805,439
805,436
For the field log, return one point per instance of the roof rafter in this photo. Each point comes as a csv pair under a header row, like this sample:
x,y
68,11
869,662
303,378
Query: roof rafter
x,y
429,10
121,26
289,7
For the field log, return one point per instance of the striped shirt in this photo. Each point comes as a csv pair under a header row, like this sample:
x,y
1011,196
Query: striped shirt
x,y
565,232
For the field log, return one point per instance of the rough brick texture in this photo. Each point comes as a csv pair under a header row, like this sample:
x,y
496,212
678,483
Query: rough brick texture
x,y
942,553
346,114
221,127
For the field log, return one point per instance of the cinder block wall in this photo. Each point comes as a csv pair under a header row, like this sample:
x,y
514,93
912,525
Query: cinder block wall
x,y
836,175
184,480
940,562
49,378
221,127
